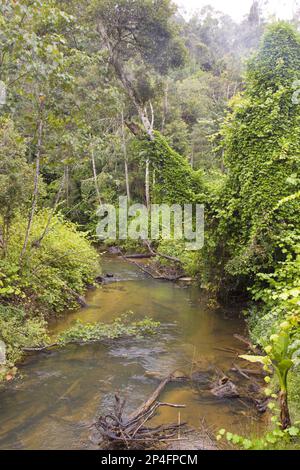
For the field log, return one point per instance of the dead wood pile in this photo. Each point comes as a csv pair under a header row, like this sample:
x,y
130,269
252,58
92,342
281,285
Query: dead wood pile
x,y
133,430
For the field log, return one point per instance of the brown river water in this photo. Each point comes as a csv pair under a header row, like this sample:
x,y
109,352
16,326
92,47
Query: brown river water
x,y
54,403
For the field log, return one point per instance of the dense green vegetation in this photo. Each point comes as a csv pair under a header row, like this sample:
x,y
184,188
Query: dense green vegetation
x,y
258,219
18,331
110,98
121,327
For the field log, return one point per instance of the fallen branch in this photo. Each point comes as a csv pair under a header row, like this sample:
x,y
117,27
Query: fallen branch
x,y
146,405
140,256
248,343
249,371
42,348
161,255
142,268
240,371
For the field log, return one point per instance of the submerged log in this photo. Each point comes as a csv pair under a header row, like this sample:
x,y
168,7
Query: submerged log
x,y
248,372
248,343
41,348
154,276
140,256
242,373
225,388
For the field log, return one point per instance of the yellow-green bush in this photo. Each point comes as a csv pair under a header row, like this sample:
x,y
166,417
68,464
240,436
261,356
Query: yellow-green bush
x,y
54,272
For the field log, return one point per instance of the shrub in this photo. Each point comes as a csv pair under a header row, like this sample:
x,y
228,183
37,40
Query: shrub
x,y
17,331
55,272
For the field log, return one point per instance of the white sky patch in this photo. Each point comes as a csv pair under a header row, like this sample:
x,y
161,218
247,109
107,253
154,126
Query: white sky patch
x,y
237,9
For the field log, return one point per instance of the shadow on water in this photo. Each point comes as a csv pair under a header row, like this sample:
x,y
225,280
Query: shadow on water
x,y
55,402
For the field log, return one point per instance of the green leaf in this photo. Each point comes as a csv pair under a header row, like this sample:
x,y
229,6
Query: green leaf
x,y
253,359
293,431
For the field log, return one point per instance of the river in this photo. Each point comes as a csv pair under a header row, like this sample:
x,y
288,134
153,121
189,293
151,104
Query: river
x,y
54,402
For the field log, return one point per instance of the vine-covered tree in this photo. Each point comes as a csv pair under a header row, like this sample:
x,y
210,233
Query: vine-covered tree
x,y
262,142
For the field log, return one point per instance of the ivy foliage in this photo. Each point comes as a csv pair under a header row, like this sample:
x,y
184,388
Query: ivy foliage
x,y
175,181
259,202
257,213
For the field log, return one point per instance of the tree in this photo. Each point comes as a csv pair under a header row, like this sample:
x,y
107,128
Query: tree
x,y
15,178
134,32
262,141
254,14
33,66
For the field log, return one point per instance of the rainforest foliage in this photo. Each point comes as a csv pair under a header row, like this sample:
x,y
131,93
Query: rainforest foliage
x,y
258,218
100,99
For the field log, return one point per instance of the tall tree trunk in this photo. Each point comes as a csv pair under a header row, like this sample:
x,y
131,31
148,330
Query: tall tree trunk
x,y
147,183
125,156
152,116
147,168
222,162
142,112
36,179
165,107
95,176
192,156
3,238
66,178
284,410
37,242
127,180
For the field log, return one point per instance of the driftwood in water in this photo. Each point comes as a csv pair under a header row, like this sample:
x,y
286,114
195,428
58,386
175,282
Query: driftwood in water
x,y
145,270
152,399
41,348
151,254
248,343
249,391
240,371
162,255
132,431
247,372
225,388
140,256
